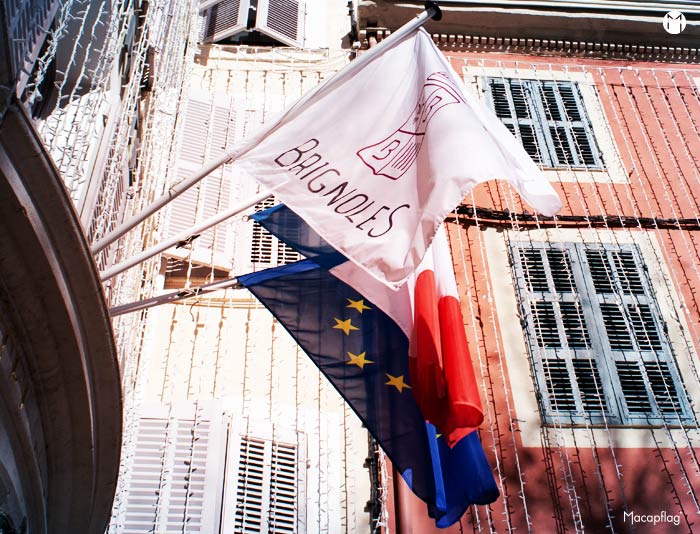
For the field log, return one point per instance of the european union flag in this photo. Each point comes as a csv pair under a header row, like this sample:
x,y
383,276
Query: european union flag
x,y
365,356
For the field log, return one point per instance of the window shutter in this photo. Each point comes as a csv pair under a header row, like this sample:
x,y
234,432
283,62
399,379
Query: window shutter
x,y
633,387
184,208
283,488
27,23
510,101
663,387
265,484
558,386
195,129
223,18
208,128
622,365
282,20
267,249
253,486
574,326
549,119
216,196
146,476
261,245
589,385
176,482
545,322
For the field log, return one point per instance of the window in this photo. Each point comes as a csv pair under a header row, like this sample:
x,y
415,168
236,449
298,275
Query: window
x,y
267,249
176,471
192,467
208,127
267,489
595,335
243,22
550,120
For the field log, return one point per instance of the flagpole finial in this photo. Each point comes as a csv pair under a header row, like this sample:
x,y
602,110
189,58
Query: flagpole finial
x,y
437,15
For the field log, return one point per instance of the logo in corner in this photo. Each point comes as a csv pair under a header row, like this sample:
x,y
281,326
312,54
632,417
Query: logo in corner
x,y
393,156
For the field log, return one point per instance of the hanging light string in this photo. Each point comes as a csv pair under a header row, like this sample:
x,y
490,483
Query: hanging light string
x,y
662,180
566,466
53,37
677,223
599,207
131,335
487,389
644,127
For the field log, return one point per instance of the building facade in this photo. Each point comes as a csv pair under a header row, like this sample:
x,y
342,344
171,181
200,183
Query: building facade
x,y
232,428
582,326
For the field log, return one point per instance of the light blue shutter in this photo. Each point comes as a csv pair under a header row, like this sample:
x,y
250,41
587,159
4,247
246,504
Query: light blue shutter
x,y
549,119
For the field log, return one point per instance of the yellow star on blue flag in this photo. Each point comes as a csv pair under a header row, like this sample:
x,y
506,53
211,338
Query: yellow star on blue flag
x,y
358,359
359,305
346,326
397,382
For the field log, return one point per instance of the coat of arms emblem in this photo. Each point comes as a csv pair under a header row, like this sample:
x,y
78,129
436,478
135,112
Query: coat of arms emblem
x,y
393,156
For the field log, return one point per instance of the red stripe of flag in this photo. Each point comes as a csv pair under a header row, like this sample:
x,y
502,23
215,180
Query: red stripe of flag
x,y
443,378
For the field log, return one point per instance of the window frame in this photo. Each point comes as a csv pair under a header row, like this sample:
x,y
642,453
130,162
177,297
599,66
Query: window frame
x,y
475,74
598,348
541,119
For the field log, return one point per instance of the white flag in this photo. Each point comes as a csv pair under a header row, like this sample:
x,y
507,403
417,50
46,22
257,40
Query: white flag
x,y
375,161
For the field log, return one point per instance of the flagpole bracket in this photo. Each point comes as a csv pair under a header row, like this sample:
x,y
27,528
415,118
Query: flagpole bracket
x,y
438,12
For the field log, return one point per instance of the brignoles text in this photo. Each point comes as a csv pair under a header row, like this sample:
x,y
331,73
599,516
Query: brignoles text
x,y
309,166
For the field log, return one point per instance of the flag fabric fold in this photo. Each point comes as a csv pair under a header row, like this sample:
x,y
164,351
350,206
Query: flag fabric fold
x,y
426,308
364,354
440,363
374,162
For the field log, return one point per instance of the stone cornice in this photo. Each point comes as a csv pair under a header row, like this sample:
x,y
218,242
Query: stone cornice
x,y
597,50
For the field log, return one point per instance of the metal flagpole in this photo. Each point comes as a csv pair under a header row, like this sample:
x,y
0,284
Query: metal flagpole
x,y
180,294
183,237
432,10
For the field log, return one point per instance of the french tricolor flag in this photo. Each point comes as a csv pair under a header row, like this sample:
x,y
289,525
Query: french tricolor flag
x,y
443,377
426,308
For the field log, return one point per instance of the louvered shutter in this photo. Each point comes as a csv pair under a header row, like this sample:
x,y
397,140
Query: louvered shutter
x,y
217,192
265,249
512,104
284,464
634,332
569,378
27,23
265,487
282,20
208,128
261,247
549,119
595,334
223,18
176,481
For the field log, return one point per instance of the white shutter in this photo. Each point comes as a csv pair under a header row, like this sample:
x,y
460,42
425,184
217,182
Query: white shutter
x,y
265,483
284,495
176,483
265,249
223,18
195,129
208,129
282,20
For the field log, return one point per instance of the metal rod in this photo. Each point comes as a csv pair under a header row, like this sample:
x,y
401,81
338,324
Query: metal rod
x,y
180,294
173,192
183,237
431,11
